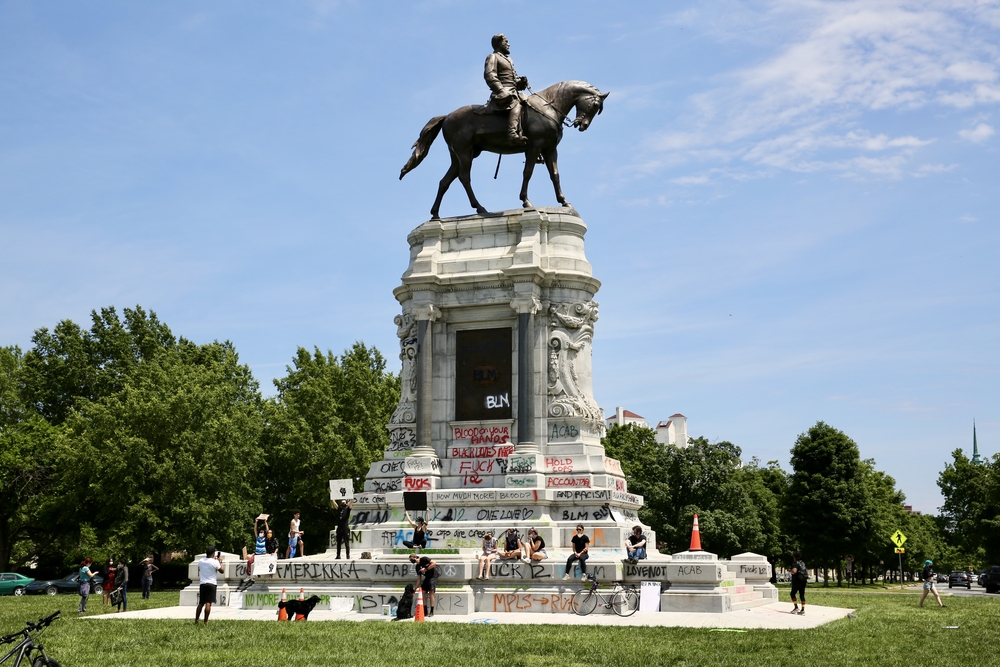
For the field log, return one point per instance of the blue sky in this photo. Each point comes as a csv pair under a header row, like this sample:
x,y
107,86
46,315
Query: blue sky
x,y
790,203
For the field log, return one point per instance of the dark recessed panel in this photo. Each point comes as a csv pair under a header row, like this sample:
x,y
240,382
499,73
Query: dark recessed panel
x,y
482,374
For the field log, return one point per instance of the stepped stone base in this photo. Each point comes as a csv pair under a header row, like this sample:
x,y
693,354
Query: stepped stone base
x,y
372,585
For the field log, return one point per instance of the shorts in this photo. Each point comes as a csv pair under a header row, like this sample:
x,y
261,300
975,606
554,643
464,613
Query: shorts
x,y
929,585
429,584
292,541
206,594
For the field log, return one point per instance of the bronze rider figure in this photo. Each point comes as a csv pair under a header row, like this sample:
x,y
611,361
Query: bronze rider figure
x,y
505,83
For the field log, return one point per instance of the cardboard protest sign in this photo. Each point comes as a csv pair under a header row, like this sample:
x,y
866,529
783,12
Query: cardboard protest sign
x,y
341,489
265,564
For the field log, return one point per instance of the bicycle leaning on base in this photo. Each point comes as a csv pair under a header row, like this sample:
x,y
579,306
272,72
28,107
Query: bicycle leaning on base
x,y
623,600
27,651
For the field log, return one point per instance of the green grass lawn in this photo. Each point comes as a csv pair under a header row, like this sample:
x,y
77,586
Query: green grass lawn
x,y
890,630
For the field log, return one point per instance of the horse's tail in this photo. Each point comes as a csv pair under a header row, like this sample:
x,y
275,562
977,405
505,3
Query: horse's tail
x,y
423,144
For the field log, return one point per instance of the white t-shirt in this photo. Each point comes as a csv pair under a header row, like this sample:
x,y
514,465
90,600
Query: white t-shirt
x,y
208,568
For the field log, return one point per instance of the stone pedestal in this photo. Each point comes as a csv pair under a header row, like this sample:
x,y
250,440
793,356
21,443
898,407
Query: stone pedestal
x,y
497,423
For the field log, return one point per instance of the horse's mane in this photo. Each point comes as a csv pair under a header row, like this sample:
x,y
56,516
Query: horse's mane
x,y
572,87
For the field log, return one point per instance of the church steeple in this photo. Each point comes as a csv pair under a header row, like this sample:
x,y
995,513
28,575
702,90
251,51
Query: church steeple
x,y
975,446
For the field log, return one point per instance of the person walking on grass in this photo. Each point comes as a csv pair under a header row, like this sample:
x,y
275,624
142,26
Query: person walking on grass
x,y
800,575
927,576
209,568
85,579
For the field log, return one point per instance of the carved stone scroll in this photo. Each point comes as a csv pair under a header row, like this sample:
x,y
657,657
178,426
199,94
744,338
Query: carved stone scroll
x,y
570,391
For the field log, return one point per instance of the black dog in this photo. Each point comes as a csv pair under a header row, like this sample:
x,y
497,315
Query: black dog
x,y
299,607
405,606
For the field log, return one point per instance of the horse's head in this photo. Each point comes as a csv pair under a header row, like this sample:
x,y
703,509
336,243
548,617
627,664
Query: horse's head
x,y
587,107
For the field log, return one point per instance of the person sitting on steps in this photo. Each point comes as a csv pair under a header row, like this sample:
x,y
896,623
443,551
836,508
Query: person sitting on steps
x,y
581,544
488,555
635,546
534,547
511,545
419,540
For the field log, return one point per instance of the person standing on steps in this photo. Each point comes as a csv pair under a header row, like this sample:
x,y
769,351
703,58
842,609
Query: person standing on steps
x,y
344,526
209,568
427,574
419,540
147,577
927,576
581,545
800,576
295,543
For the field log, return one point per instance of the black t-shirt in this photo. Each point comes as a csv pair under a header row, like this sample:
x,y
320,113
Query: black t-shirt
x,y
538,543
271,545
635,539
423,564
343,519
579,542
927,573
803,571
512,542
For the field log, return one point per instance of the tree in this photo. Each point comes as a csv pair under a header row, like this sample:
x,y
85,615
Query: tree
x,y
971,510
328,421
825,507
26,469
733,502
171,461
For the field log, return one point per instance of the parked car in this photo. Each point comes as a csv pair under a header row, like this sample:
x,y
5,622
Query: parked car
x,y
68,584
942,578
991,580
12,583
959,578
982,579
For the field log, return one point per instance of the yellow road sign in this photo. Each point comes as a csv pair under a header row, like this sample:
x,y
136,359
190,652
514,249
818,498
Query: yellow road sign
x,y
900,551
898,538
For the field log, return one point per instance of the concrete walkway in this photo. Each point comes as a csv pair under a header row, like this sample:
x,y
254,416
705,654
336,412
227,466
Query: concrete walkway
x,y
770,617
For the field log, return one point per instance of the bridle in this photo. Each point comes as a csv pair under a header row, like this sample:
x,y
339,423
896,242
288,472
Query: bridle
x,y
564,120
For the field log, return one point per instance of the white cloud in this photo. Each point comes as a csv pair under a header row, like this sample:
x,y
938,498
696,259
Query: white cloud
x,y
691,180
803,108
980,132
928,169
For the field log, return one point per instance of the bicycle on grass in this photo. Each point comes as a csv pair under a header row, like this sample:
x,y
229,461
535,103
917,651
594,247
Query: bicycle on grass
x,y
623,600
27,648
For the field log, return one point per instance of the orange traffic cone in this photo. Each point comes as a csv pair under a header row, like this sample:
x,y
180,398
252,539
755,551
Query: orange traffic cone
x,y
282,614
695,536
302,597
419,617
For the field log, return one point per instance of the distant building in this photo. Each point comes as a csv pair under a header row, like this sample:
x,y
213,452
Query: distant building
x,y
625,417
674,431
909,508
670,432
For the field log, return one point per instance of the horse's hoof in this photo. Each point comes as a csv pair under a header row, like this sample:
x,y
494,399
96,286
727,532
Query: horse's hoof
x,y
567,204
527,204
482,211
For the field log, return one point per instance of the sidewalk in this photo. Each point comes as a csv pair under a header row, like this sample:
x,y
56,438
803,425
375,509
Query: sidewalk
x,y
770,617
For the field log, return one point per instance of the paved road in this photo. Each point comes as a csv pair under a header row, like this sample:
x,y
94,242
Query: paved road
x,y
957,591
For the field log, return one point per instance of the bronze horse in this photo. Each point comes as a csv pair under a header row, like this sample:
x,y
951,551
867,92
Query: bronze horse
x,y
469,133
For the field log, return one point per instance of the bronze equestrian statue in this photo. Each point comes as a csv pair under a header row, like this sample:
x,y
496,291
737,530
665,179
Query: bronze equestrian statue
x,y
493,127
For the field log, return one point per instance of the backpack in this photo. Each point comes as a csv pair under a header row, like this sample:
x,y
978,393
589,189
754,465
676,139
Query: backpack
x,y
803,571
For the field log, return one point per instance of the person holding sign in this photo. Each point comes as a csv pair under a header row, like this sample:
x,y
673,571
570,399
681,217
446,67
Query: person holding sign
x,y
419,540
343,526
